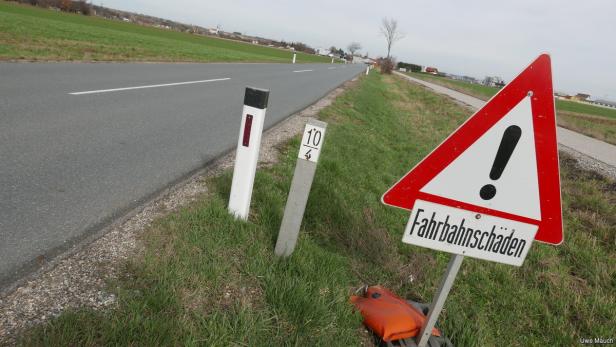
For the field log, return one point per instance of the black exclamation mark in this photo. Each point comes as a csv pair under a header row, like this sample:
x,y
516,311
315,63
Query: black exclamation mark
x,y
505,150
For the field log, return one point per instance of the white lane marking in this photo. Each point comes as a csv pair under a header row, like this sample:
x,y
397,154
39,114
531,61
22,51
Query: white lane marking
x,y
302,70
330,68
148,86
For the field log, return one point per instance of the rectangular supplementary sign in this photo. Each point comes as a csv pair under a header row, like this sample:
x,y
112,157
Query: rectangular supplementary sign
x,y
310,148
468,233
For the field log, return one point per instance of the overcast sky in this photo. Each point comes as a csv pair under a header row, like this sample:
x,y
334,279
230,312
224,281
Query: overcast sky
x,y
474,37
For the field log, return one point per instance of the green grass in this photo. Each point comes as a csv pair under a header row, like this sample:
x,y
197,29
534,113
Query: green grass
x,y
594,121
486,92
206,279
477,90
32,33
578,107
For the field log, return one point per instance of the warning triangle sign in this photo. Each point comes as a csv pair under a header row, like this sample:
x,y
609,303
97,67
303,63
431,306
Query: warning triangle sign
x,y
503,161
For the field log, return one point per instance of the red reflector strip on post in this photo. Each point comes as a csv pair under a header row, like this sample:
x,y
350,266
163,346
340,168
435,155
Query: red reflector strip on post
x,y
247,127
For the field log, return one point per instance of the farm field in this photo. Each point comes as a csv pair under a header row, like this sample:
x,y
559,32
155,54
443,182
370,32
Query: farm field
x,y
36,34
593,121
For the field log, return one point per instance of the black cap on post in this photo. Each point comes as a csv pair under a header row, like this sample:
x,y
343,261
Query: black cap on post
x,y
256,97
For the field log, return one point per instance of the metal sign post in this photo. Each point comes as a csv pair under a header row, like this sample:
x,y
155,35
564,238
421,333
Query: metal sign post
x,y
439,299
305,168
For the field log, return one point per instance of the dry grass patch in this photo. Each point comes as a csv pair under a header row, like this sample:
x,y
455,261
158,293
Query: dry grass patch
x,y
601,128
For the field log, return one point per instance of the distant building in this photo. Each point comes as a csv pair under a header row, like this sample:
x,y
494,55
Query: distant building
x,y
469,79
562,96
580,97
432,70
361,60
493,81
322,51
605,103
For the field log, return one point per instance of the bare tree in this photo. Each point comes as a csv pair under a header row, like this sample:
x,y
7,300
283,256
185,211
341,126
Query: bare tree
x,y
354,47
389,29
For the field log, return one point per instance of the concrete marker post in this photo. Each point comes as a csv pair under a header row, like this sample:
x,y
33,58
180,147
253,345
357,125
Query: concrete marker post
x,y
247,153
294,57
309,152
439,299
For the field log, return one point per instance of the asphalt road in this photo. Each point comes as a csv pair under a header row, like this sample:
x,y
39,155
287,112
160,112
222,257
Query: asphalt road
x,y
586,145
79,146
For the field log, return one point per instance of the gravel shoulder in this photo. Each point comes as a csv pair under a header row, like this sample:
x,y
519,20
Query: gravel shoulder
x,y
81,276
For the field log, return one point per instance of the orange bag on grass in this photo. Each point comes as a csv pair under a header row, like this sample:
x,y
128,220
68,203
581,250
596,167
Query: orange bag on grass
x,y
389,316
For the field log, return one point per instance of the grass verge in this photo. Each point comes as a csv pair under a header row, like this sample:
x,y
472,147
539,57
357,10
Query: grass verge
x,y
206,279
594,121
32,33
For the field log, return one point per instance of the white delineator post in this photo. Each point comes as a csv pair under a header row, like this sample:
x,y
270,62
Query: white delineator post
x,y
367,69
294,57
332,60
309,152
247,154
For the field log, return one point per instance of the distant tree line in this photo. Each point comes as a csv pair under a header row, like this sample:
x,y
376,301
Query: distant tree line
x,y
302,47
354,47
409,67
297,46
339,52
74,6
336,51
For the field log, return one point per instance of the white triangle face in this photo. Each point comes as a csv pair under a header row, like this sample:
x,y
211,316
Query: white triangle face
x,y
517,189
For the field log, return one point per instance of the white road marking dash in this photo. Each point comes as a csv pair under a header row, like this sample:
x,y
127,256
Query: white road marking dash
x,y
147,86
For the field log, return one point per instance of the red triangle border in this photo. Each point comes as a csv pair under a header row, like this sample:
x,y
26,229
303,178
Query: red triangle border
x,y
536,78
